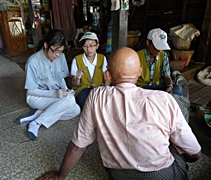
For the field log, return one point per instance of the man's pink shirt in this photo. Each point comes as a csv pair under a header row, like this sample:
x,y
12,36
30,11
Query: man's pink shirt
x,y
133,127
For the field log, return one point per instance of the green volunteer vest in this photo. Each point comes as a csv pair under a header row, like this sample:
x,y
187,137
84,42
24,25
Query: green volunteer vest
x,y
85,81
145,76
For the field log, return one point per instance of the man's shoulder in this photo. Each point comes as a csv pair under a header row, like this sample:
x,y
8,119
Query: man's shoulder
x,y
139,51
104,90
142,53
99,93
101,89
163,53
157,95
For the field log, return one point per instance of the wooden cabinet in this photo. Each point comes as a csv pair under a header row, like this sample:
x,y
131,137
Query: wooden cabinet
x,y
16,31
13,30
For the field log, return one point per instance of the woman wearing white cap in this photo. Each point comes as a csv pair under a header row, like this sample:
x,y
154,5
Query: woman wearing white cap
x,y
88,69
155,64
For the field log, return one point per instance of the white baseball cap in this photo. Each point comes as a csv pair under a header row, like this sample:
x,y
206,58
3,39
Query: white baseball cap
x,y
159,39
89,35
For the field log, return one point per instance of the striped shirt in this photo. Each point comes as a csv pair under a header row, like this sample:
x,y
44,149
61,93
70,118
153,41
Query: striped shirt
x,y
165,67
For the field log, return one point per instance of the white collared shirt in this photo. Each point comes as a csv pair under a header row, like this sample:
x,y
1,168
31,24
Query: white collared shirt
x,y
90,66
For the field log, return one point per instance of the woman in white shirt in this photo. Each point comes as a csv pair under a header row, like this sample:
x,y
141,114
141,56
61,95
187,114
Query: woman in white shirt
x,y
47,92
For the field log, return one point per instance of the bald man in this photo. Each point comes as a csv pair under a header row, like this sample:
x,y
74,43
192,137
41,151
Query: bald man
x,y
141,134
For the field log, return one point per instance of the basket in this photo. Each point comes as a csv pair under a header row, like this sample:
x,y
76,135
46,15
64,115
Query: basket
x,y
182,55
178,64
179,43
133,38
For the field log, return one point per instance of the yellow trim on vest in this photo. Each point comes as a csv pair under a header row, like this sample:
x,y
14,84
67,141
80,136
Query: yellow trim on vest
x,y
85,81
144,79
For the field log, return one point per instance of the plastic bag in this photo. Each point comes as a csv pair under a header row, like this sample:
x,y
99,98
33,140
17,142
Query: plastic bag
x,y
182,35
185,31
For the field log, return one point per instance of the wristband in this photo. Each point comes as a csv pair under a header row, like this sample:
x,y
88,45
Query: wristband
x,y
170,85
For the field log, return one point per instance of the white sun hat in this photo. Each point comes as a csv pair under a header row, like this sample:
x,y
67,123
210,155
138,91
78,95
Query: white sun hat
x,y
159,39
89,35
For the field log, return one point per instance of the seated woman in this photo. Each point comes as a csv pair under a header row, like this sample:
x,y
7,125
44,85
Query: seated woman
x,y
47,92
88,69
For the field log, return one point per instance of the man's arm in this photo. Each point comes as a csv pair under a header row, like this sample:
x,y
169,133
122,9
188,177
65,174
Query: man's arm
x,y
167,74
192,158
169,84
182,135
71,158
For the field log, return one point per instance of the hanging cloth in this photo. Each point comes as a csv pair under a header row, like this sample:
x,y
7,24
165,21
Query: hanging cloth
x,y
64,18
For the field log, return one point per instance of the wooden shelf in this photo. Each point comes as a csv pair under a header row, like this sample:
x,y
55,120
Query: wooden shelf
x,y
14,33
17,33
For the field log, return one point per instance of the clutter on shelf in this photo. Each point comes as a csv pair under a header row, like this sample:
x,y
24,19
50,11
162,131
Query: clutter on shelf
x,y
181,37
6,5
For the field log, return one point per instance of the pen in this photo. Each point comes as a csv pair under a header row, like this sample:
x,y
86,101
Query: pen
x,y
57,86
61,88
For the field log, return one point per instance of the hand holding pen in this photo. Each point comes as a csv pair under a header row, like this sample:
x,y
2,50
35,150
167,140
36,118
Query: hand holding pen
x,y
64,92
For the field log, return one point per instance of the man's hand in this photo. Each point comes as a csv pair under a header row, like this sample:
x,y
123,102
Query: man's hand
x,y
169,84
53,175
71,157
169,90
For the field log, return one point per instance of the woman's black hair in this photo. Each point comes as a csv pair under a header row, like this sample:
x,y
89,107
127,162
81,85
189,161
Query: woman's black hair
x,y
53,37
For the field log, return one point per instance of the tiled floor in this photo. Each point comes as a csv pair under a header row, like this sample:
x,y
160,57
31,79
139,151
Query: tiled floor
x,y
20,60
203,136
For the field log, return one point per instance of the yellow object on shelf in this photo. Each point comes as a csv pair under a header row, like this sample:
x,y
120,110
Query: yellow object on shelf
x,y
13,8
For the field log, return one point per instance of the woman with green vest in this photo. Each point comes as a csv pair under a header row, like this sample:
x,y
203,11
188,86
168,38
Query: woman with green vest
x,y
155,64
88,69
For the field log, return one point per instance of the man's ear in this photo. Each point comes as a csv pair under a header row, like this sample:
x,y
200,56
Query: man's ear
x,y
108,76
139,72
147,42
